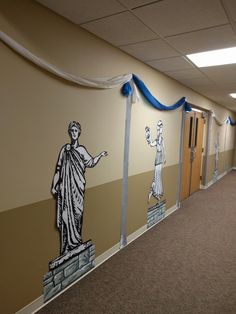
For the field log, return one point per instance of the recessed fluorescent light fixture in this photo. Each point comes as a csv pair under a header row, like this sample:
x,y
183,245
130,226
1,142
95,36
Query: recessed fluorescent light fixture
x,y
233,95
214,57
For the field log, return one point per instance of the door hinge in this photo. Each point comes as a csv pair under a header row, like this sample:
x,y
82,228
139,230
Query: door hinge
x,y
201,178
203,150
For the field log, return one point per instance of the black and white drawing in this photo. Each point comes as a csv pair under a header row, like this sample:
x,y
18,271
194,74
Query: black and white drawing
x,y
156,212
157,184
68,187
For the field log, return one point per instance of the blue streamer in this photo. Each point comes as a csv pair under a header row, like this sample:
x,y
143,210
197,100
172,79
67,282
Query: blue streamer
x,y
154,102
127,90
231,122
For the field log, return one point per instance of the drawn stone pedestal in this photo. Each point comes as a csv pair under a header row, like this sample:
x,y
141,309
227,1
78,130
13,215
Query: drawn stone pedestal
x,y
156,213
215,175
65,270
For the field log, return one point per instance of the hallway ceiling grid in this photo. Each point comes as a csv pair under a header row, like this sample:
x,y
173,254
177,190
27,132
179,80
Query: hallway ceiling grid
x,y
161,33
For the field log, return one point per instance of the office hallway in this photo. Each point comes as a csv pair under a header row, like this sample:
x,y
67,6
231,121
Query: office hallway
x,y
185,264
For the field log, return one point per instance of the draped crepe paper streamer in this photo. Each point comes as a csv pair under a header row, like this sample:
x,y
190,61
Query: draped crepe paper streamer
x,y
127,90
231,122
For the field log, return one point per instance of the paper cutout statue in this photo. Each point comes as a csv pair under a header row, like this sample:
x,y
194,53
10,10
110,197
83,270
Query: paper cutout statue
x,y
157,184
68,187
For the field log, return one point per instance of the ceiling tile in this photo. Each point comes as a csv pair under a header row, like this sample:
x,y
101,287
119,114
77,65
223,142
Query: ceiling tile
x,y
135,3
216,94
171,17
120,29
230,88
185,74
223,75
222,99
198,82
230,5
230,105
170,64
82,11
150,50
203,40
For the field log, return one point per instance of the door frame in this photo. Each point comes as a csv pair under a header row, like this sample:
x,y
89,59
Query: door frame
x,y
208,117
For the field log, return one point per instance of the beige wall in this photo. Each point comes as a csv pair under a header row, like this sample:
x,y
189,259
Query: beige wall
x,y
225,163
226,136
35,110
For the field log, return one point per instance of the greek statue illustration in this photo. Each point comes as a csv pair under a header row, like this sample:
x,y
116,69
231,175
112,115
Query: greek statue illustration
x,y
157,184
68,188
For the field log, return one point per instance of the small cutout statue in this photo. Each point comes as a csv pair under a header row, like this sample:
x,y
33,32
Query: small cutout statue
x,y
69,187
157,212
157,184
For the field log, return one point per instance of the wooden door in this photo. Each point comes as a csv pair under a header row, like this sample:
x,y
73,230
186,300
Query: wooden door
x,y
192,153
197,152
186,169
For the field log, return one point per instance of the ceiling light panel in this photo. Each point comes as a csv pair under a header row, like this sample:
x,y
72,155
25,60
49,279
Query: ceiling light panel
x,y
214,57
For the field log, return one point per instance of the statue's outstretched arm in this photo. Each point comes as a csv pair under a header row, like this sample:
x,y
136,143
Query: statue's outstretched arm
x,y
98,157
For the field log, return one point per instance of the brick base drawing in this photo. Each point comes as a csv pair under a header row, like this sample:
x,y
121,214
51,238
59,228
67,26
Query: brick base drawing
x,y
156,213
65,273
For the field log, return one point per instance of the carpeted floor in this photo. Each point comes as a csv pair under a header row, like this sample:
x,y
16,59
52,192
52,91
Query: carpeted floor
x,y
185,264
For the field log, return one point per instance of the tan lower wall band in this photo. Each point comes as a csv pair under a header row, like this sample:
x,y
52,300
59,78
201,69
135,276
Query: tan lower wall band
x,y
38,303
225,162
33,240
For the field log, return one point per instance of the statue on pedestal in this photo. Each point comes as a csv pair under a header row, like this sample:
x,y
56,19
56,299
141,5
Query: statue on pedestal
x,y
157,184
68,187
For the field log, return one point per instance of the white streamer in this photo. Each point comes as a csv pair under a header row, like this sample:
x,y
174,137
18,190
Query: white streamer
x,y
105,83
218,121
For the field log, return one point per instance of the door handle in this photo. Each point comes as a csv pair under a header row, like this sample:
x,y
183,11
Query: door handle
x,y
192,154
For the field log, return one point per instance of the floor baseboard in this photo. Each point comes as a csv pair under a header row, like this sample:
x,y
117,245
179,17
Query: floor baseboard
x,y
38,303
204,187
32,307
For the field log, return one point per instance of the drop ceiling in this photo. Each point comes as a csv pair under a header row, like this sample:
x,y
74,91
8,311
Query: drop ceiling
x,y
161,33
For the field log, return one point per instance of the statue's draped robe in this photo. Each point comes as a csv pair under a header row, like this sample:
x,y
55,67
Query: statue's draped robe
x,y
157,184
70,198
